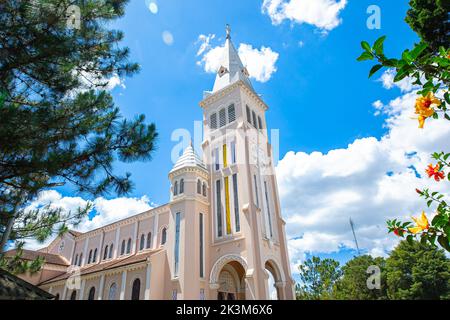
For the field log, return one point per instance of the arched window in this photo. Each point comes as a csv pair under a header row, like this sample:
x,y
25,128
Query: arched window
x,y
136,291
91,295
204,189
73,296
231,113
129,246
90,257
105,255
254,119
249,117
112,292
80,260
163,236
122,249
142,244
149,240
175,188
94,259
259,122
57,296
181,186
213,121
110,251
76,260
222,118
199,186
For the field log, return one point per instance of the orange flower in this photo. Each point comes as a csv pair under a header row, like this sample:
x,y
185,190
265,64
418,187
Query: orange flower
x,y
421,224
425,107
435,172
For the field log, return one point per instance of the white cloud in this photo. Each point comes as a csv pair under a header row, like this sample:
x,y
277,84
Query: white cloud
x,y
387,79
260,63
106,211
167,37
371,180
323,14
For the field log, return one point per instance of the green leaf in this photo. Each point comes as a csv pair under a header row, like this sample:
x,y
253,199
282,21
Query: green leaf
x,y
443,241
374,69
402,73
418,49
378,45
365,56
366,46
410,239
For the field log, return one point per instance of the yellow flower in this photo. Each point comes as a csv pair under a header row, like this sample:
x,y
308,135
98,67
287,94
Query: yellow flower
x,y
425,107
422,224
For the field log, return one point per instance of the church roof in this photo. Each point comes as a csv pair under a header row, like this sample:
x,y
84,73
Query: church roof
x,y
31,255
14,288
231,69
189,159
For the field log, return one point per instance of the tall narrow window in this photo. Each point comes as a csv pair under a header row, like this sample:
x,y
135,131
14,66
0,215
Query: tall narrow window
x,y
142,243
249,117
227,193
216,159
136,290
254,119
110,251
122,250
236,204
163,236
175,188
129,246
204,189
105,254
268,210
91,295
76,260
233,151
177,242
200,232
256,190
94,259
181,186
222,118
199,186
149,240
90,257
213,121
231,113
73,296
81,260
218,209
259,122
112,291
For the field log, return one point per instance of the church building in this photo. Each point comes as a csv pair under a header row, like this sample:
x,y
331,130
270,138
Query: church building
x,y
221,235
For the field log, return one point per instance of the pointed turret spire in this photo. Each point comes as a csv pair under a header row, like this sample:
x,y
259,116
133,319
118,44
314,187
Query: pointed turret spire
x,y
231,68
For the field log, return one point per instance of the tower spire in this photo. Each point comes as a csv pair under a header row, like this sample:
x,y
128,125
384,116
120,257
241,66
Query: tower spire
x,y
231,67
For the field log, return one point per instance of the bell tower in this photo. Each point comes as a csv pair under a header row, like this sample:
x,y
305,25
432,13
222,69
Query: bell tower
x,y
247,254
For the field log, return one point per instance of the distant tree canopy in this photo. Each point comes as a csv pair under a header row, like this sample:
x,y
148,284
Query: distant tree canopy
x,y
430,20
412,271
58,121
417,271
353,283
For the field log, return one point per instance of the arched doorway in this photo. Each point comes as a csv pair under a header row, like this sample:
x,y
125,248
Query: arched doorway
x,y
231,282
274,279
91,295
136,290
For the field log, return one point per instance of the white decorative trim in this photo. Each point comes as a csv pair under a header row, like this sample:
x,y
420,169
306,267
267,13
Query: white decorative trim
x,y
220,263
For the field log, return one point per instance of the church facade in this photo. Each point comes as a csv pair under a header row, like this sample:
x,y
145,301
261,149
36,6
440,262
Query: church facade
x,y
221,236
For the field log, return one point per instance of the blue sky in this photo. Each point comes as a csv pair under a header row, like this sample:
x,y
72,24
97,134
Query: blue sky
x,y
348,145
319,97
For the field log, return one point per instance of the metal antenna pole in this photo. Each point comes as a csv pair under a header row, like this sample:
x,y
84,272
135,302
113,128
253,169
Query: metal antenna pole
x,y
354,235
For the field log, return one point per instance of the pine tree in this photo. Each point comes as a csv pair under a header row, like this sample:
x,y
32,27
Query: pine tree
x,y
58,123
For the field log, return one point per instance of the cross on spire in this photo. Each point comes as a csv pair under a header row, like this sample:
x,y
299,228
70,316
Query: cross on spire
x,y
228,31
